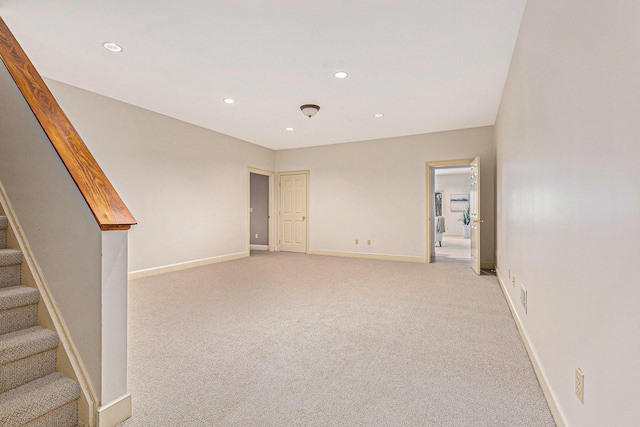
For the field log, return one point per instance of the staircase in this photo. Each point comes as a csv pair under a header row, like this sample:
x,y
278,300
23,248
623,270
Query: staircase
x,y
32,393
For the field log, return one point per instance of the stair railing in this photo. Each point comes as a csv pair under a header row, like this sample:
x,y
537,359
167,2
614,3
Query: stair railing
x,y
106,205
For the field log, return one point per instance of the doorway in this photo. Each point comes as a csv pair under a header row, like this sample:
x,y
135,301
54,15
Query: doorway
x,y
452,236
293,207
261,217
466,207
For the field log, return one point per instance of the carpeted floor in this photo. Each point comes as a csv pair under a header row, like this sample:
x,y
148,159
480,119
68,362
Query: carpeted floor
x,y
283,339
454,247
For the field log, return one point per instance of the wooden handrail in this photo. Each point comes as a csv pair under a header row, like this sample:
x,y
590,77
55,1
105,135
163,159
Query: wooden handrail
x,y
106,205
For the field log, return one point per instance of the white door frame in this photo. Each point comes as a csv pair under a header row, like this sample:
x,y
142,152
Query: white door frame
x,y
430,253
305,172
272,217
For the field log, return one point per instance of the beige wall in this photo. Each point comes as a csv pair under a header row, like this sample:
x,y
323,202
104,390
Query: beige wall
x,y
186,185
568,224
61,231
377,189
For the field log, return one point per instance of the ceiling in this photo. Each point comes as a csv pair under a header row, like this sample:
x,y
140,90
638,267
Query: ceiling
x,y
427,65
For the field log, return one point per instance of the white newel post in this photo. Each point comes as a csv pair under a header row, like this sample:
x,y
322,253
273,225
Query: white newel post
x,y
115,404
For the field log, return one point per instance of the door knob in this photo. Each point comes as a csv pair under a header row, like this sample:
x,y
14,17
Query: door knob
x,y
304,217
478,221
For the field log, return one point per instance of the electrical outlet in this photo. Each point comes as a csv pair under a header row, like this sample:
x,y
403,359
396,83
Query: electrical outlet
x,y
523,297
369,242
580,385
513,280
509,273
357,242
256,235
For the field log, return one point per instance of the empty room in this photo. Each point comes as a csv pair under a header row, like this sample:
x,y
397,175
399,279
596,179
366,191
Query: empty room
x,y
281,213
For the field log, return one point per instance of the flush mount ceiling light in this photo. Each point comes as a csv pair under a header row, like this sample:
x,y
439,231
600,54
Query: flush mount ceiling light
x,y
229,101
309,110
378,115
341,75
112,47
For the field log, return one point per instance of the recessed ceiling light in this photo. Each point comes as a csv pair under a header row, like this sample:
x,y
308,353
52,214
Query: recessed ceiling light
x,y
289,129
379,115
112,47
341,75
229,101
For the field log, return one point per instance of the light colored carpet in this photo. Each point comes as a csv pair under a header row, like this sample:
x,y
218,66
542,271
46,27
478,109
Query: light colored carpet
x,y
283,339
454,247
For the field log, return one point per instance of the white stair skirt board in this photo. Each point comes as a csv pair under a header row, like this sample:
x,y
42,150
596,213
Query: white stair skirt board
x,y
383,257
259,247
537,367
139,274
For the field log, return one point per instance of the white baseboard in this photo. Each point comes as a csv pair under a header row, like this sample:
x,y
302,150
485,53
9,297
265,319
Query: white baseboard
x,y
114,413
139,274
259,247
382,257
537,367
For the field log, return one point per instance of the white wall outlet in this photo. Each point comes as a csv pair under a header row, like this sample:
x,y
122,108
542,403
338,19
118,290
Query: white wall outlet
x,y
250,209
357,242
509,273
523,297
513,280
580,385
369,242
256,235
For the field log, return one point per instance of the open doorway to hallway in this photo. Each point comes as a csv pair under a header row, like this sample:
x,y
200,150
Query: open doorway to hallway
x,y
452,213
261,218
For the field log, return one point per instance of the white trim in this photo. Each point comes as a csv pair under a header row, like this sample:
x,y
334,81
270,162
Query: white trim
x,y
383,257
139,274
113,413
549,395
259,247
88,398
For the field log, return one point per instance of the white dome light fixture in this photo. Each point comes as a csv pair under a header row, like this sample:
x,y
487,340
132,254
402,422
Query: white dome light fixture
x,y
112,47
309,110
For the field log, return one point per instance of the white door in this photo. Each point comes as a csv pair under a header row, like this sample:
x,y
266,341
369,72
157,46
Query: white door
x,y
292,226
474,211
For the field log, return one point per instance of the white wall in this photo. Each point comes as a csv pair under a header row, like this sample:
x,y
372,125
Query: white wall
x,y
376,189
568,223
452,184
186,185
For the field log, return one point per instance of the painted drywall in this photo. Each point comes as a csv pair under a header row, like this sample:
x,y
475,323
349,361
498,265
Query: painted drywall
x,y
449,185
376,190
259,209
567,136
61,231
186,185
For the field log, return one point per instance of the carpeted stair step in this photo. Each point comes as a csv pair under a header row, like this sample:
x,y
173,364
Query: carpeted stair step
x,y
10,261
47,401
3,231
26,355
18,308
